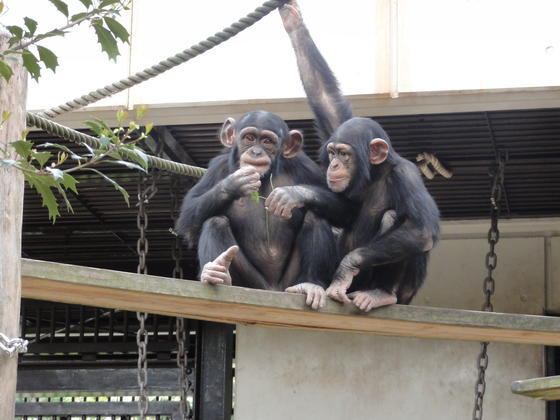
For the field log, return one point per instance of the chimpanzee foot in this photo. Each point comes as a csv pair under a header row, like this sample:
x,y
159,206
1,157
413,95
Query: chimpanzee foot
x,y
217,271
316,295
366,300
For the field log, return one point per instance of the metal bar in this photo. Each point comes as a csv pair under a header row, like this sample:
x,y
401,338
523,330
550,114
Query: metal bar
x,y
214,372
497,157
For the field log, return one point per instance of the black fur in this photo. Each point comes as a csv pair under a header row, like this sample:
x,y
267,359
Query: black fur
x,y
397,259
216,220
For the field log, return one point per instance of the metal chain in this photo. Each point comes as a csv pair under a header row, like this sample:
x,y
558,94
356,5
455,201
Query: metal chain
x,y
12,346
145,193
489,284
181,333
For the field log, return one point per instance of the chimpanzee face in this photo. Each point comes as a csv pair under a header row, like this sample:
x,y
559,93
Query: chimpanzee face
x,y
259,139
342,166
257,148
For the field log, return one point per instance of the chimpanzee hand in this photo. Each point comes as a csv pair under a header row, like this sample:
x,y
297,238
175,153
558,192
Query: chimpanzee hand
x,y
243,182
342,281
217,271
291,16
316,296
366,300
281,201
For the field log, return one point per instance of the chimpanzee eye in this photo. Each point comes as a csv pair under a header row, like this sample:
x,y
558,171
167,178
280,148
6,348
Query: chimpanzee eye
x,y
331,154
266,140
249,137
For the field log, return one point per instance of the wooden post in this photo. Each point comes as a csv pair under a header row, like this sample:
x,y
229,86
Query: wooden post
x,y
12,99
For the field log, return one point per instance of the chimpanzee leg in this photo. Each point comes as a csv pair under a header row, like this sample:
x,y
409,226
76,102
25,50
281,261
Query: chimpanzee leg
x,y
215,238
316,250
413,276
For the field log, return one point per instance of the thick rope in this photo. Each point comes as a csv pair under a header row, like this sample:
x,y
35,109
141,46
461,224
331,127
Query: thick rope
x,y
75,136
166,64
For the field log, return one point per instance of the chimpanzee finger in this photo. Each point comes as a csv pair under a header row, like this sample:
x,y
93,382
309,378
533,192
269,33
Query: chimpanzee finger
x,y
286,212
309,297
216,275
322,300
207,278
214,267
370,306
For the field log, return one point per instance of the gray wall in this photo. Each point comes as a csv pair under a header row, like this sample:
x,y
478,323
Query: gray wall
x,y
286,374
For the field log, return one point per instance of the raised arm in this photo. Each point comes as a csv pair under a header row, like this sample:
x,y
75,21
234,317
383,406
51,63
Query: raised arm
x,y
321,87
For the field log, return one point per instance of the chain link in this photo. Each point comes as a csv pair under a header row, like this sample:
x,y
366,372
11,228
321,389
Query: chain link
x,y
145,193
12,346
489,284
182,335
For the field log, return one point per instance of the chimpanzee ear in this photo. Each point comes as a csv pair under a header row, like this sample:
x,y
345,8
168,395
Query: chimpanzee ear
x,y
227,134
378,151
293,144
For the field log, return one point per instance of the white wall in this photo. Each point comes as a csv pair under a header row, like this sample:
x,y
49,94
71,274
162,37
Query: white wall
x,y
284,374
442,45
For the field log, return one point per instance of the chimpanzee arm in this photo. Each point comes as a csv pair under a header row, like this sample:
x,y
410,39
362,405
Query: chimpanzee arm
x,y
405,240
321,87
335,208
211,197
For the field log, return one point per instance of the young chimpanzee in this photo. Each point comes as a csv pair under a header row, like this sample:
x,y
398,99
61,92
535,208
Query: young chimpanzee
x,y
390,222
232,227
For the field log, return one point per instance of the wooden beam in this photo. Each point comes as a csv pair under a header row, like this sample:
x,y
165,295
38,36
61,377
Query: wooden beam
x,y
542,388
12,99
191,299
175,149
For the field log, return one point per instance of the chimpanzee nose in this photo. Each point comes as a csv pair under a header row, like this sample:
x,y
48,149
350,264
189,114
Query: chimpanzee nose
x,y
256,152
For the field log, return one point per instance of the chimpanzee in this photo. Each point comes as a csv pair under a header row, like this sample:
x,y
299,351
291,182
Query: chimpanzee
x,y
389,220
225,213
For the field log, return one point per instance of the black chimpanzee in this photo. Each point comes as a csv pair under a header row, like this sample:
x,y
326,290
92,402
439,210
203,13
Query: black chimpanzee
x,y
224,215
390,222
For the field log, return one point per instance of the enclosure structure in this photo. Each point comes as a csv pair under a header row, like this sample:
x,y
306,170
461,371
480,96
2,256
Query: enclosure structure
x,y
79,351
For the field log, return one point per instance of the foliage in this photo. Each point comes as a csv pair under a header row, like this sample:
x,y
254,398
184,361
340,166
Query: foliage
x,y
101,14
46,166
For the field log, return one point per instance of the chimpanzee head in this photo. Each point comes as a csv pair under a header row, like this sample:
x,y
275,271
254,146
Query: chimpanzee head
x,y
260,139
355,152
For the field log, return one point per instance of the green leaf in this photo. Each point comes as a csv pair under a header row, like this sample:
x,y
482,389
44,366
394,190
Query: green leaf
x,y
138,156
50,34
1,6
65,198
48,57
69,183
5,70
105,142
15,31
4,163
115,184
6,115
121,115
56,173
107,3
23,147
31,64
107,41
255,197
128,164
41,157
86,3
78,16
95,127
31,25
42,185
61,6
149,127
117,29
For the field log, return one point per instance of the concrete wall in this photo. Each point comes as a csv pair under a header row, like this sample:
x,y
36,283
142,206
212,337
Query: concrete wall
x,y
283,374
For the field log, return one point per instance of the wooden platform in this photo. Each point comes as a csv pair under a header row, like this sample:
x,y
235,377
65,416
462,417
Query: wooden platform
x,y
191,299
542,388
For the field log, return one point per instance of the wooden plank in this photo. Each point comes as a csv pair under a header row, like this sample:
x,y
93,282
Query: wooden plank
x,y
542,388
191,299
12,99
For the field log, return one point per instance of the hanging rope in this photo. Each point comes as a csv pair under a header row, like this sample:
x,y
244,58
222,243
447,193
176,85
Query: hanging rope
x,y
74,136
166,64
489,285
424,159
12,346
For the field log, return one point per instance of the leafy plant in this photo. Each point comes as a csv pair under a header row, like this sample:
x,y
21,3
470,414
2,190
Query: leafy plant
x,y
46,166
24,41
